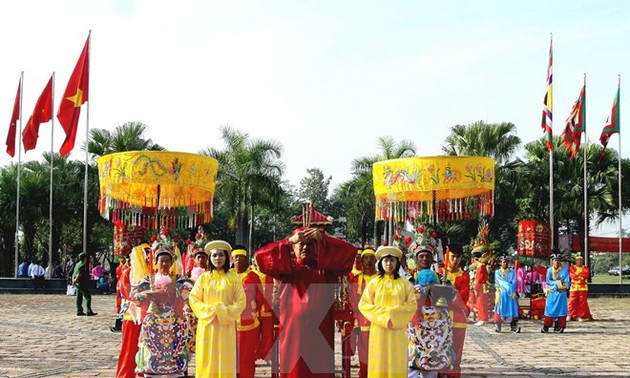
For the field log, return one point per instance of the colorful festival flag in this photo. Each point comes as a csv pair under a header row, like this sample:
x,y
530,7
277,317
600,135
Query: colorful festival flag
x,y
14,118
547,119
74,96
576,124
41,114
612,123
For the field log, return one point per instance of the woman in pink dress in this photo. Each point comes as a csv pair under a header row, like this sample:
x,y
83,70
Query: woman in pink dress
x,y
520,278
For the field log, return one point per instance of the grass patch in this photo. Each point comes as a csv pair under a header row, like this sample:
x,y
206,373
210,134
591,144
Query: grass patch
x,y
607,279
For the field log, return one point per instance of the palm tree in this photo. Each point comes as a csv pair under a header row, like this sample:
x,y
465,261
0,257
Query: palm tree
x,y
609,160
389,149
126,137
568,191
357,196
250,174
359,191
8,203
496,140
34,193
500,142
68,189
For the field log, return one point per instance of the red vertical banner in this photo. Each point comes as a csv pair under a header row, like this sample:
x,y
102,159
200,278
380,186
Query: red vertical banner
x,y
534,239
126,237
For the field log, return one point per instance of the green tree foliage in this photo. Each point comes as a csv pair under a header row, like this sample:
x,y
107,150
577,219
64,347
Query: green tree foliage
x,y
253,205
500,142
357,194
356,198
126,137
314,189
568,191
249,178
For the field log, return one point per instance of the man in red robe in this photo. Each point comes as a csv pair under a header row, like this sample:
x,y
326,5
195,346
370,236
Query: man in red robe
x,y
308,265
537,307
120,271
266,316
578,304
357,282
122,261
131,324
482,291
248,325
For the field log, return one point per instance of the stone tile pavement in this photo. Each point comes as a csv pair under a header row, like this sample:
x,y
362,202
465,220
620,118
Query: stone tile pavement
x,y
40,336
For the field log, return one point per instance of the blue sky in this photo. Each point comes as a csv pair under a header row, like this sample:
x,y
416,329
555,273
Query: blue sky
x,y
325,78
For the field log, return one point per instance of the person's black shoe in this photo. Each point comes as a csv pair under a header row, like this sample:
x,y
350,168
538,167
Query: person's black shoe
x,y
544,329
558,330
497,327
515,329
92,313
117,326
81,313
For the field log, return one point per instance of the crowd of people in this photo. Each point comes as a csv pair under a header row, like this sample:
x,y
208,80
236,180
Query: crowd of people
x,y
226,308
35,270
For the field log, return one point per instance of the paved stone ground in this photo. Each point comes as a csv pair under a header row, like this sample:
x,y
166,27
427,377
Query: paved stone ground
x,y
40,336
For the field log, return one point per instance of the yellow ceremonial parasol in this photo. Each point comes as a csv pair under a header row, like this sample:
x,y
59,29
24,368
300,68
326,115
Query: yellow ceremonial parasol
x,y
440,188
151,189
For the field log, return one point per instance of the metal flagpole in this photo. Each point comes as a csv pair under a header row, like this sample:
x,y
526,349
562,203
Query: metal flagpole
x,y
619,178
19,171
550,102
50,198
551,220
586,215
585,148
87,133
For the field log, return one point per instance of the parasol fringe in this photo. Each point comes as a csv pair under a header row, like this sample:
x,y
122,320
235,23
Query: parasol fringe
x,y
443,210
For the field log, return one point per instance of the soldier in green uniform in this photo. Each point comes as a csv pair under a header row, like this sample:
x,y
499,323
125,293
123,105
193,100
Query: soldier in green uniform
x,y
81,279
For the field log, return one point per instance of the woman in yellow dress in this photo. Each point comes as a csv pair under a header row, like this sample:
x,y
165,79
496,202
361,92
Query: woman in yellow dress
x,y
217,299
388,302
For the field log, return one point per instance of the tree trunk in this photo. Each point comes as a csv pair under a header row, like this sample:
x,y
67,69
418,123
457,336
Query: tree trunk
x,y
242,228
364,222
56,243
29,237
376,238
250,237
7,258
378,232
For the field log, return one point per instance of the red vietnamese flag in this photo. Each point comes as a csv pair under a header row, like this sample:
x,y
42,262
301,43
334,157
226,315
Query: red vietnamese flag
x,y
41,114
14,118
74,96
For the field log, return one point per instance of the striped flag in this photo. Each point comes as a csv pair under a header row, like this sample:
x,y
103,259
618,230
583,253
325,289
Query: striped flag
x,y
612,123
547,119
576,124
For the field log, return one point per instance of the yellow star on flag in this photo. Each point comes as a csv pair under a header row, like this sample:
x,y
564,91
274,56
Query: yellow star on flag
x,y
77,99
